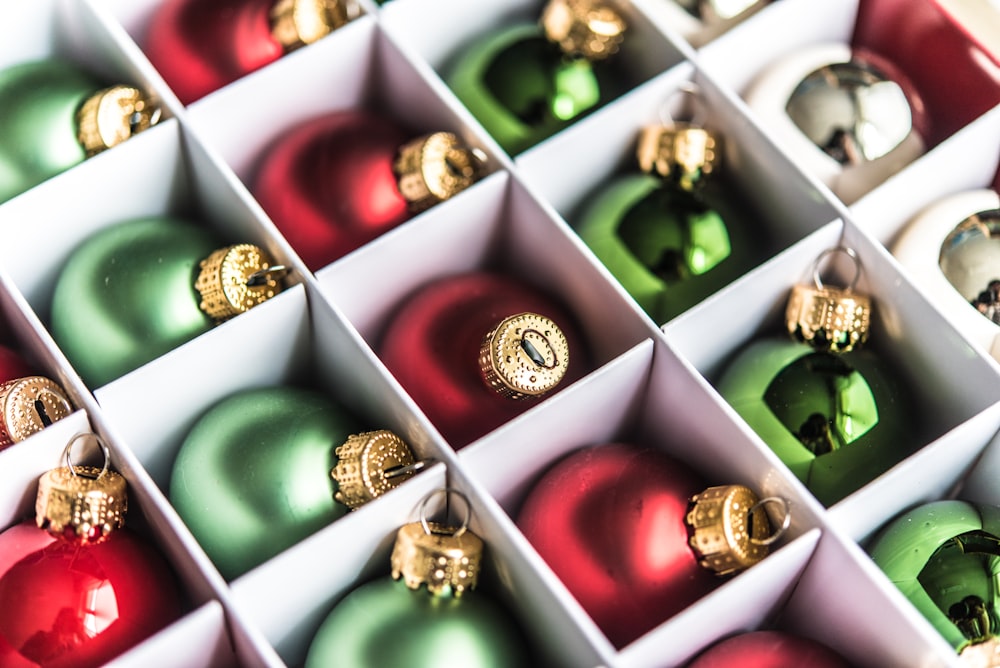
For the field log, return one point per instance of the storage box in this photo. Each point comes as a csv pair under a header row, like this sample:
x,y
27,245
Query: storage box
x,y
650,381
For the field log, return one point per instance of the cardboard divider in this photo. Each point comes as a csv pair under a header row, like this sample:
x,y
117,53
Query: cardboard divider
x,y
199,638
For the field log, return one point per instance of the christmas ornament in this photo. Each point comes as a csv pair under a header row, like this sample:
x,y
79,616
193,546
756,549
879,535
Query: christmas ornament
x,y
769,649
253,476
944,556
76,588
636,537
199,46
53,116
952,250
829,318
528,81
836,420
849,116
393,622
475,350
659,232
336,182
138,289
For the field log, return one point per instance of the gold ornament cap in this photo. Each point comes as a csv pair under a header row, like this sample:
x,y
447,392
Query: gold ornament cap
x,y
368,464
433,168
830,319
445,558
729,528
83,504
112,115
682,154
296,23
29,405
525,355
587,28
234,279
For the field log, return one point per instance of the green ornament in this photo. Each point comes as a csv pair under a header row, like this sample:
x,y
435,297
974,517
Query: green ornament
x,y
945,558
836,421
253,476
127,295
53,116
529,81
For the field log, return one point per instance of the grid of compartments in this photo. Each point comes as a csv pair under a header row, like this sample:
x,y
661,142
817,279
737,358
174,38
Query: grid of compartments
x,y
648,381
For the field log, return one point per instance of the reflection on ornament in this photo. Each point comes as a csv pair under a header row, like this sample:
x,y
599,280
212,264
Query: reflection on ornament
x,y
136,290
636,537
426,615
769,649
53,116
836,420
528,81
452,346
673,234
199,46
944,556
952,251
849,116
76,588
263,469
334,183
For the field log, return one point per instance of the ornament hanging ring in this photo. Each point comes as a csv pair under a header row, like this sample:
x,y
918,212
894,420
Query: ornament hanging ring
x,y
846,250
262,276
60,399
698,111
785,522
68,451
446,491
415,467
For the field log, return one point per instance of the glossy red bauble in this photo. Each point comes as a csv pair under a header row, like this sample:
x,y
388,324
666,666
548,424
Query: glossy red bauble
x,y
66,605
769,649
329,185
199,46
609,521
13,366
432,347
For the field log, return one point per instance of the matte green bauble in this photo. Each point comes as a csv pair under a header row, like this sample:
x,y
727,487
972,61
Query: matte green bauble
x,y
383,623
252,478
525,82
669,248
127,295
945,558
53,115
837,421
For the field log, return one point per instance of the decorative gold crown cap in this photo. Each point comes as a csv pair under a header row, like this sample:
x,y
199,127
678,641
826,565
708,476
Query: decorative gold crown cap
x,y
433,168
29,405
831,319
586,28
234,279
296,23
524,355
363,463
112,115
682,153
81,503
439,556
729,529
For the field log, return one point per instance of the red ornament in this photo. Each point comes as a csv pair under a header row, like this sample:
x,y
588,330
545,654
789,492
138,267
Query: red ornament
x,y
433,343
329,184
610,522
63,604
199,46
12,366
769,649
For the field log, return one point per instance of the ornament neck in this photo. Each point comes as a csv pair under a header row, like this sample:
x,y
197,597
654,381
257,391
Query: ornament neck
x,y
433,168
525,355
729,528
297,23
371,464
234,279
583,28
112,115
